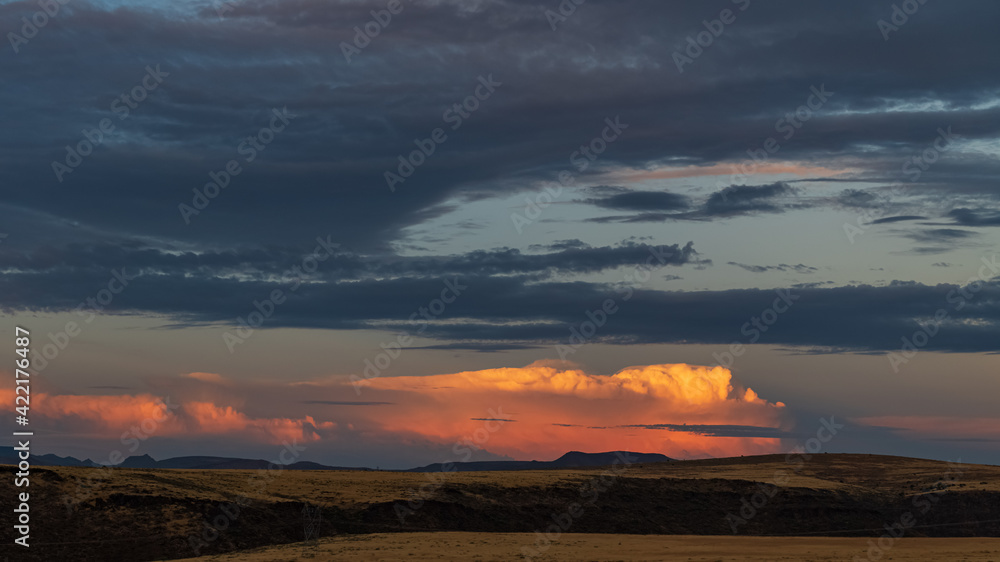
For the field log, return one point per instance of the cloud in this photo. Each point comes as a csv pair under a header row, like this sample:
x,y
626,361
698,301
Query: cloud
x,y
89,416
728,202
559,409
552,407
975,217
942,239
225,78
902,218
941,235
859,199
723,430
798,268
86,262
512,312
856,317
745,199
643,201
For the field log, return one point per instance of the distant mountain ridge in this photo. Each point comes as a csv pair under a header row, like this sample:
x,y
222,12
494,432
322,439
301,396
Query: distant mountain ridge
x,y
221,463
10,457
572,459
190,463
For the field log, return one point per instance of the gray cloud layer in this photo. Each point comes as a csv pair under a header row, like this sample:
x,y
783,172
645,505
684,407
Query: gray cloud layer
x,y
323,174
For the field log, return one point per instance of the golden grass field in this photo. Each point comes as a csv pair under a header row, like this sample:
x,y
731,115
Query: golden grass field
x,y
489,547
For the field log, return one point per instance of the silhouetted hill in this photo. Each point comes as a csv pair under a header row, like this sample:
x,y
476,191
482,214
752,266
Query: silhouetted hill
x,y
572,459
144,461
221,463
10,457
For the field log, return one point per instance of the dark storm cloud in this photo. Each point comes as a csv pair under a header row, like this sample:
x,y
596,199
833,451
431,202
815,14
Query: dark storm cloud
x,y
857,318
324,174
512,311
266,263
355,118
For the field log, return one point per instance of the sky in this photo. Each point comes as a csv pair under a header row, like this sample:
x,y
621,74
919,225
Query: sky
x,y
415,231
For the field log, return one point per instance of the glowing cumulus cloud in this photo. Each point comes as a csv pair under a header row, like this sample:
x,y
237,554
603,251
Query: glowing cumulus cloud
x,y
535,412
552,410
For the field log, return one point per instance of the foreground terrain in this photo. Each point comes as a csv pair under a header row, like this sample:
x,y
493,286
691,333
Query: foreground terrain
x,y
153,514
585,547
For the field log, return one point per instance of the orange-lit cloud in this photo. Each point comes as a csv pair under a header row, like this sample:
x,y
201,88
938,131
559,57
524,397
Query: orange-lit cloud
x,y
208,418
110,416
556,410
207,377
103,411
535,412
